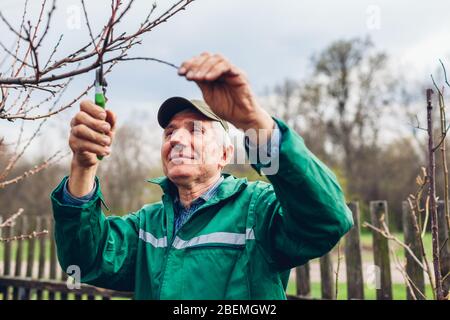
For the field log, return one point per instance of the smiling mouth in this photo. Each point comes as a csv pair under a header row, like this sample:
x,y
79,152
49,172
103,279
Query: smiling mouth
x,y
178,158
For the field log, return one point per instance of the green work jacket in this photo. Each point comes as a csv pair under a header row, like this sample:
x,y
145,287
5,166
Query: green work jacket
x,y
240,244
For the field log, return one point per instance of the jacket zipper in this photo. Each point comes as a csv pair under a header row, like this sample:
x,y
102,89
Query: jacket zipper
x,y
169,246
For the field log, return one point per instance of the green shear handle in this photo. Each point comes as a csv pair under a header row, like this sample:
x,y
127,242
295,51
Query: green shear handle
x,y
100,98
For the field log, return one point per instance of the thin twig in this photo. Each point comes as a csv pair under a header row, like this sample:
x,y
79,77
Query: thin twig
x,y
385,233
422,247
34,170
32,235
11,221
149,59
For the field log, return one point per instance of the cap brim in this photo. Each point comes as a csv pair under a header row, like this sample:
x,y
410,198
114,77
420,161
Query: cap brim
x,y
173,105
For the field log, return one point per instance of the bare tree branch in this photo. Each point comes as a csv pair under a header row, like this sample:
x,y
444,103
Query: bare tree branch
x,y
109,42
11,221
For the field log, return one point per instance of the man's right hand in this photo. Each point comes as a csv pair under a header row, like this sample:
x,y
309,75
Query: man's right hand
x,y
91,135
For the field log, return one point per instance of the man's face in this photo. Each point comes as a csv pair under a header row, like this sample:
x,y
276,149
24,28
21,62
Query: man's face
x,y
191,150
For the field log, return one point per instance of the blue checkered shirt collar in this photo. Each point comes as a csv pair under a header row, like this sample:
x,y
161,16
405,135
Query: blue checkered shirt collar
x,y
182,213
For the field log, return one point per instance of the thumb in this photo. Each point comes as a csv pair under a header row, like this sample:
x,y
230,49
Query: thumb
x,y
111,118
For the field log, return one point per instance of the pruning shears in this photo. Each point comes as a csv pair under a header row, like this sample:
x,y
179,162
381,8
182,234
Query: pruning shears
x,y
100,91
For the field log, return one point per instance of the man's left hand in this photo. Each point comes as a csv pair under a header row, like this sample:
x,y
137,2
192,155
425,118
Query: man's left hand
x,y
226,90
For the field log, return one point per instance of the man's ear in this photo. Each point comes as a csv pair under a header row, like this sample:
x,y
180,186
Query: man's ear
x,y
228,153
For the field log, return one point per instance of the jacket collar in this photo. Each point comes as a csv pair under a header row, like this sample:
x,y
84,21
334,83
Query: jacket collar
x,y
228,187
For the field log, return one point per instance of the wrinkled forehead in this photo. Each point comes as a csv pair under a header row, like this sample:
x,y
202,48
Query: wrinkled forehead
x,y
188,117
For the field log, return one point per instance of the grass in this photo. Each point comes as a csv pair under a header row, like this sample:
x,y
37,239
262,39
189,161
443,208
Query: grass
x,y
25,247
57,296
366,244
398,291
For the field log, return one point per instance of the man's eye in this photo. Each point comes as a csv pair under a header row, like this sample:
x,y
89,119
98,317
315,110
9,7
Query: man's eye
x,y
198,130
168,134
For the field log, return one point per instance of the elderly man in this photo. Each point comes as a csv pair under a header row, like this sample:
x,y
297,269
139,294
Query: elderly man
x,y
213,236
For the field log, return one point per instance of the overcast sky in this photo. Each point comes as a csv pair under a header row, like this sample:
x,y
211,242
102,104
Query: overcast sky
x,y
270,40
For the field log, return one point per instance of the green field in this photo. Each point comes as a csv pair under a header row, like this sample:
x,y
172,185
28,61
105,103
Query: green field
x,y
25,250
366,244
398,291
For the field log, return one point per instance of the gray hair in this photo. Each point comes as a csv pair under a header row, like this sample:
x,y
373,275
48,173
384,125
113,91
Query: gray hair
x,y
221,134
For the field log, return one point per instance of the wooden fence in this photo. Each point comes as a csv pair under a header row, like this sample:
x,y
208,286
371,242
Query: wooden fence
x,y
29,268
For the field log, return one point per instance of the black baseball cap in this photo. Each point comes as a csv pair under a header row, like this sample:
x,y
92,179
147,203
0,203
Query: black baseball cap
x,y
174,105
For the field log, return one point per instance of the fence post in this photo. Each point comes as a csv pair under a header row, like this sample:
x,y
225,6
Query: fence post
x,y
413,270
326,277
3,289
31,252
444,243
41,223
7,268
53,261
303,280
379,212
353,259
8,231
22,222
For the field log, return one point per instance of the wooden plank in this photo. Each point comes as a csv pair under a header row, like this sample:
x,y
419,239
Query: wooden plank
x,y
59,286
79,296
20,227
41,266
353,258
292,297
2,252
327,280
21,264
413,270
444,243
53,260
31,255
379,212
63,275
64,278
6,292
3,289
8,232
303,280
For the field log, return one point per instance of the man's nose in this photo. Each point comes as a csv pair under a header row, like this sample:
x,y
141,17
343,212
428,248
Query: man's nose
x,y
180,136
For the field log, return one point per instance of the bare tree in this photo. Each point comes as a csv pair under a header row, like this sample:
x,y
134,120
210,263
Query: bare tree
x,y
355,83
33,80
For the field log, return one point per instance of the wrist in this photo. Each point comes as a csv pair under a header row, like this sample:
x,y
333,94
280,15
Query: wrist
x,y
260,126
81,179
